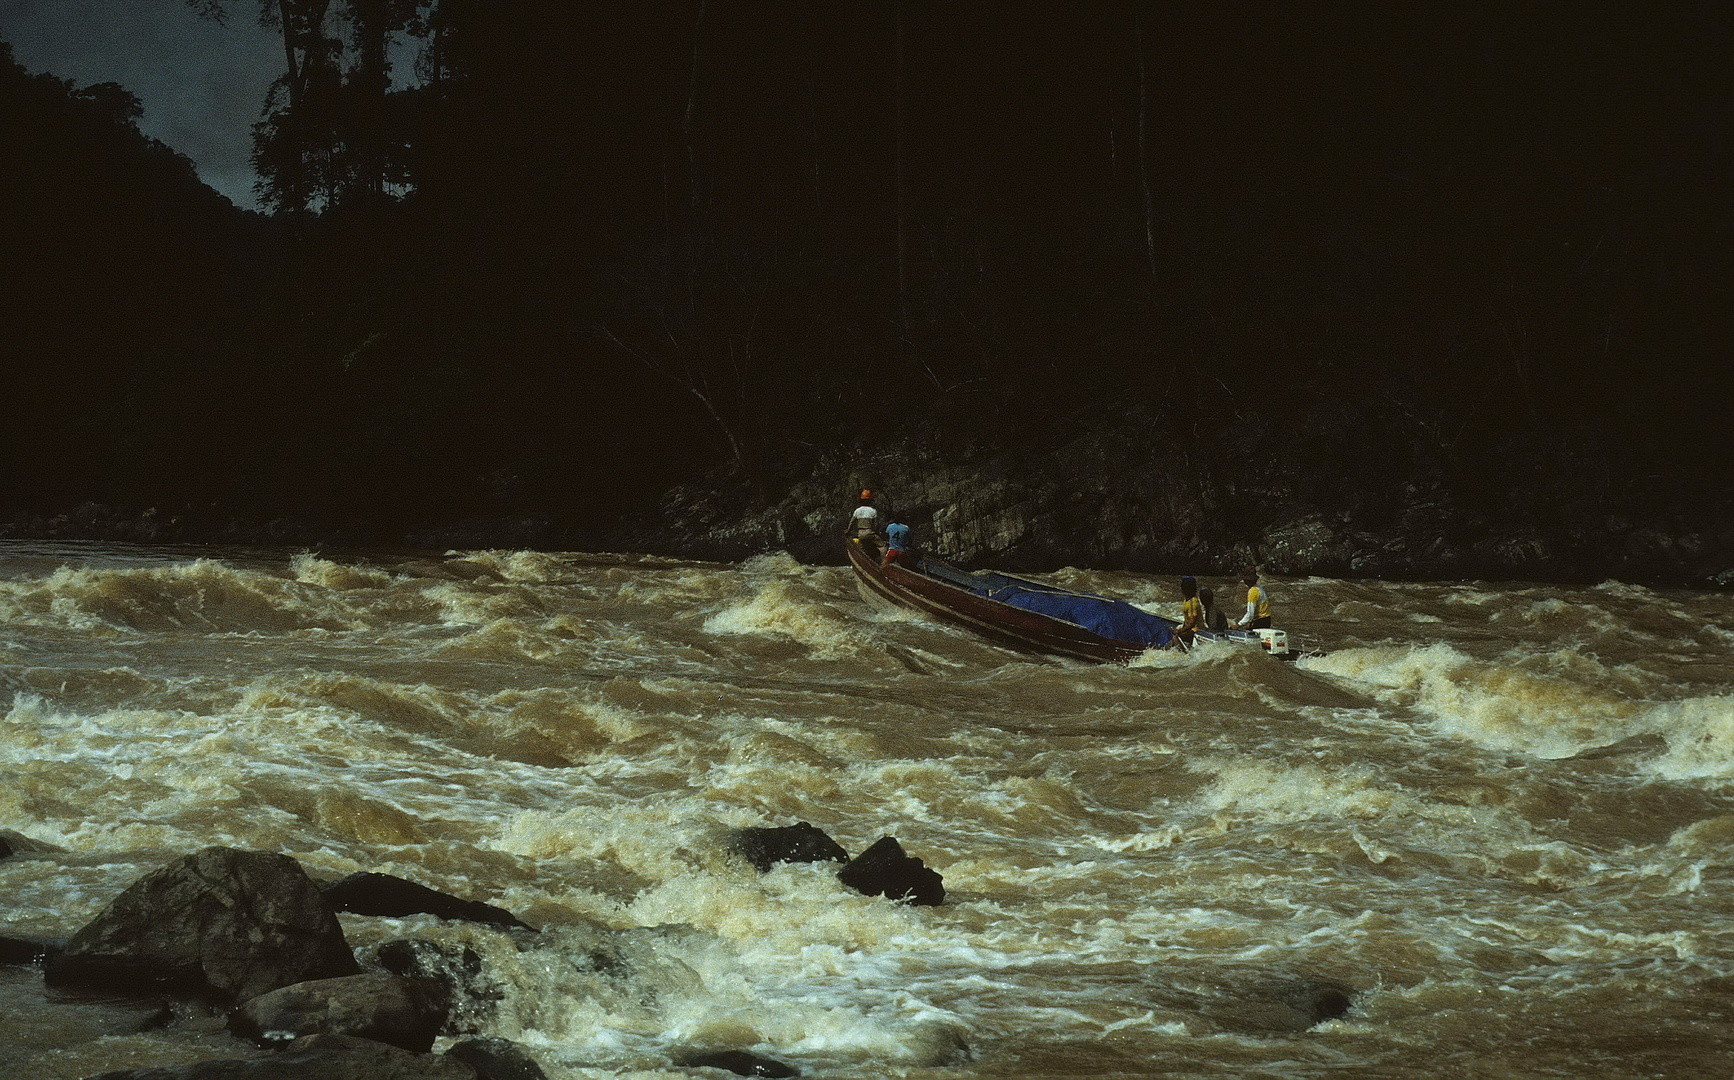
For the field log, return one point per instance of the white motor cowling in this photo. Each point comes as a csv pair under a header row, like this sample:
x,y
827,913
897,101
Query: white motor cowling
x,y
1275,641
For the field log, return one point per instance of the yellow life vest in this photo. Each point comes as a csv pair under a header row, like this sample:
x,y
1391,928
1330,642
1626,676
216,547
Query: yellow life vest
x,y
1259,602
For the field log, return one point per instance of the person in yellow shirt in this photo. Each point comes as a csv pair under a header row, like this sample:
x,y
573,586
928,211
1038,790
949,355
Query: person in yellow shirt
x,y
1257,615
1191,612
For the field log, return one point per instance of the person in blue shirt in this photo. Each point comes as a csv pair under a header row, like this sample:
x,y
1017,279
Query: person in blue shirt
x,y
898,549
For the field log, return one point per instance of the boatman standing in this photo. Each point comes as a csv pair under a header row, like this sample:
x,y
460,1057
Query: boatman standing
x,y
1257,603
864,523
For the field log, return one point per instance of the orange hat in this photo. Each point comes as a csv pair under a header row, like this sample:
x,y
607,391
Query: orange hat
x,y
866,494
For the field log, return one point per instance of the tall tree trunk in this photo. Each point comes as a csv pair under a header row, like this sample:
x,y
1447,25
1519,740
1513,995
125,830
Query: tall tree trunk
x,y
813,123
297,56
289,45
369,83
303,27
687,124
1144,144
436,64
1113,135
902,188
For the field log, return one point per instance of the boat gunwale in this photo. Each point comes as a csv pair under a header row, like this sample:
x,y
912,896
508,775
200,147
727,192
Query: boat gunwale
x,y
1041,632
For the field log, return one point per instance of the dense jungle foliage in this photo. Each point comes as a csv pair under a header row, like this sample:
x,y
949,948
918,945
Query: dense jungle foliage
x,y
1473,255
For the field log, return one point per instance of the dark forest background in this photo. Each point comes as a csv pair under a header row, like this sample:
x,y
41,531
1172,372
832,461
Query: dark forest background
x,y
1358,254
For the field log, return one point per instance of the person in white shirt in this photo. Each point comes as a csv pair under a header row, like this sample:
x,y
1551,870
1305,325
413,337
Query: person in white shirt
x,y
1257,603
864,523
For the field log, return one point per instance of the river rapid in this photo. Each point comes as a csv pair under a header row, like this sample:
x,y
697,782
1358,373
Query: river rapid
x,y
1502,813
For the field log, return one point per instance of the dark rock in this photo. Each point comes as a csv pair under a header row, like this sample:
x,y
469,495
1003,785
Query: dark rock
x,y
1101,489
18,950
1285,1005
381,894
16,843
800,842
238,923
740,1063
1310,545
381,1006
1647,743
414,958
449,570
317,1057
1320,1001
936,1044
470,991
884,870
497,1059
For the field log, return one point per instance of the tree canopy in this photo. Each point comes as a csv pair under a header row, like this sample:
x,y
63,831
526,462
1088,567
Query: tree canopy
x,y
1415,249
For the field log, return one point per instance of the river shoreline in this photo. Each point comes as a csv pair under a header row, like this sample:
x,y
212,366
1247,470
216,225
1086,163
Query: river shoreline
x,y
709,524
981,518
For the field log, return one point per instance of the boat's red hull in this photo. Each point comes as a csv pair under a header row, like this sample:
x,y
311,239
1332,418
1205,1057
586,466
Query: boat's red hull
x,y
1014,626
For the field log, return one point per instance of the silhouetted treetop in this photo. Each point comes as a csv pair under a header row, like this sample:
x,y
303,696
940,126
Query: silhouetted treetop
x,y
1426,244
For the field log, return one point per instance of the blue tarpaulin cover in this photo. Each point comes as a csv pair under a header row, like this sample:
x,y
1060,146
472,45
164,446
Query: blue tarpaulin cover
x,y
1114,619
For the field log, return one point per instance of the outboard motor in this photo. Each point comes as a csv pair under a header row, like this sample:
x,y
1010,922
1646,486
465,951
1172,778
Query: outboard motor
x,y
1275,642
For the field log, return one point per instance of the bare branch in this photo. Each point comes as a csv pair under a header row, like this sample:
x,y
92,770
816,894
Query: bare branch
x,y
690,380
214,10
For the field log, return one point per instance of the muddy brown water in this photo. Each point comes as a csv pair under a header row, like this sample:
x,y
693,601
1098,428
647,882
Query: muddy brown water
x,y
1503,813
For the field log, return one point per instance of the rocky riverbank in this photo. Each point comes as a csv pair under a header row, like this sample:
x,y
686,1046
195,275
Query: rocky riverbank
x,y
1123,497
1115,496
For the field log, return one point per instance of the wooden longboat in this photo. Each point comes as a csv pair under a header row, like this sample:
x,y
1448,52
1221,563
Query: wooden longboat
x,y
951,601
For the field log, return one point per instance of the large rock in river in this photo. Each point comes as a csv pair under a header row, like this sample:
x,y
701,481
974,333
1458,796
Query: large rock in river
x,y
14,843
381,1006
367,893
1282,1005
236,923
885,870
800,842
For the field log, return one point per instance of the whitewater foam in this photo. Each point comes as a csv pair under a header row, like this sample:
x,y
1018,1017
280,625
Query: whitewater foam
x,y
1126,850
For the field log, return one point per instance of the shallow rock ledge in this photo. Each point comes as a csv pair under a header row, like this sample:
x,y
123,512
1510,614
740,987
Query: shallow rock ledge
x,y
378,1005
